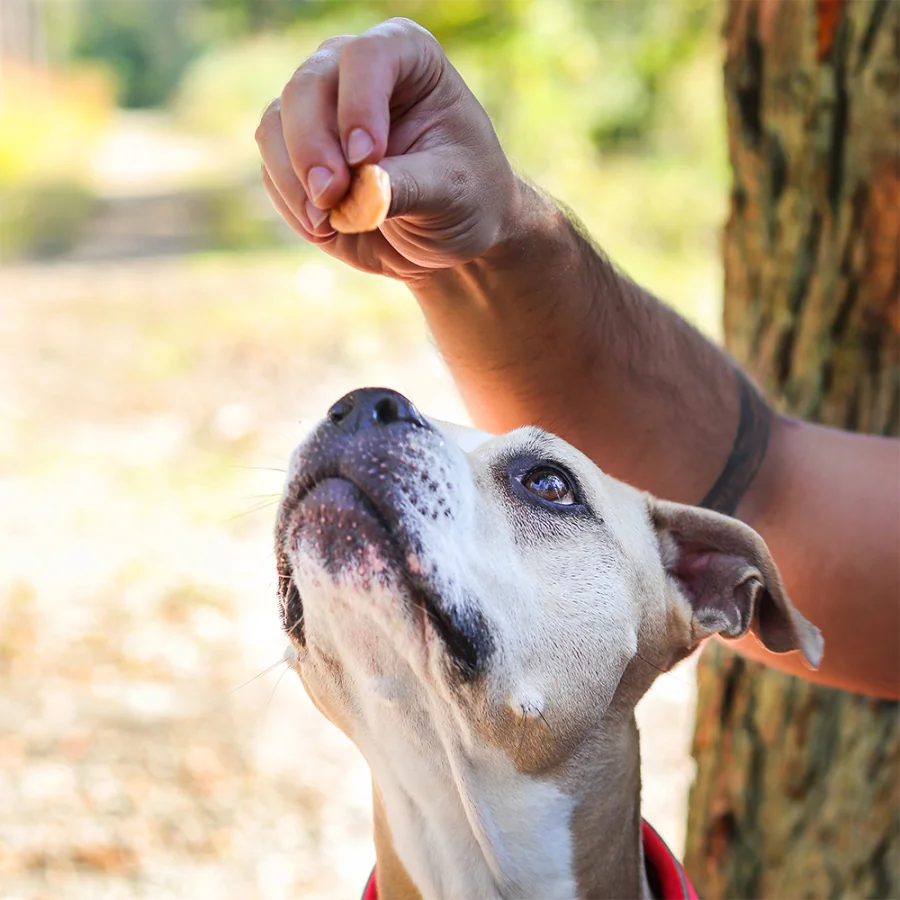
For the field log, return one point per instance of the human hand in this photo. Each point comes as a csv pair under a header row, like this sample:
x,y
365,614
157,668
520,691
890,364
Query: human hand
x,y
389,96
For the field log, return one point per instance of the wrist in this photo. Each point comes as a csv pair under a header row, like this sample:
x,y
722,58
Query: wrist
x,y
530,230
532,219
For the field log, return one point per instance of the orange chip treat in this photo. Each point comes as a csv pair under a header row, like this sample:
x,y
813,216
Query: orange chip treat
x,y
367,202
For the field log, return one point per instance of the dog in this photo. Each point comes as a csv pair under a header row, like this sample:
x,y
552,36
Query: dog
x,y
480,615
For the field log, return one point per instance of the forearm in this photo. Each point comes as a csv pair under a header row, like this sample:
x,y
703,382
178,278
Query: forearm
x,y
544,331
827,503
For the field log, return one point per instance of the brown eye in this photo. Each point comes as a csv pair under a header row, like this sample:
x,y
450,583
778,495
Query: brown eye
x,y
549,485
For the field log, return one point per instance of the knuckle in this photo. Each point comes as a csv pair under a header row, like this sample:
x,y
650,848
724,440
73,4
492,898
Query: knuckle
x,y
407,28
302,78
401,23
389,37
383,35
315,67
333,44
363,45
271,119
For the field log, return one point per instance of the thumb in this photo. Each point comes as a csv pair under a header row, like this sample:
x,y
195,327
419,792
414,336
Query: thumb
x,y
421,183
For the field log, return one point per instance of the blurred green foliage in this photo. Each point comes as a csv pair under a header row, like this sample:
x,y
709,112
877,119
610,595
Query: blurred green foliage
x,y
613,106
49,125
145,44
43,221
50,121
617,52
225,90
232,221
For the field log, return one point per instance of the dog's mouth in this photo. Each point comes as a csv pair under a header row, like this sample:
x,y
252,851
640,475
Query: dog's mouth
x,y
352,532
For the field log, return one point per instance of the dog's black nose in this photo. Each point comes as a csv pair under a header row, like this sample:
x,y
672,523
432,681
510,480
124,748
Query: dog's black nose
x,y
373,408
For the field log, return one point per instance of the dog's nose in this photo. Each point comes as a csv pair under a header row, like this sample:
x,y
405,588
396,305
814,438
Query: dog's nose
x,y
373,408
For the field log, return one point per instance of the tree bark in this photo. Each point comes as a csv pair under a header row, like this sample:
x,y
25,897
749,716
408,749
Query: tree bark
x,y
797,785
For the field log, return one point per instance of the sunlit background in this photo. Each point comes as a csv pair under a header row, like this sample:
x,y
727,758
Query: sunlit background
x,y
164,342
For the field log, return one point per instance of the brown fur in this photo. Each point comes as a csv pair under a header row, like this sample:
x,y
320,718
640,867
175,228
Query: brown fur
x,y
393,881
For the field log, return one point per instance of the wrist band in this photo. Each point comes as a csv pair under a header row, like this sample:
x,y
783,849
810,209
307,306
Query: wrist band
x,y
747,452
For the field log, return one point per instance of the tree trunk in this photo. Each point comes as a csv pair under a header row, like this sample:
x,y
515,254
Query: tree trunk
x,y
797,785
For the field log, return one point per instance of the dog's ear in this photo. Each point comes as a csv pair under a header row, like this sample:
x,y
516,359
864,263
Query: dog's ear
x,y
725,572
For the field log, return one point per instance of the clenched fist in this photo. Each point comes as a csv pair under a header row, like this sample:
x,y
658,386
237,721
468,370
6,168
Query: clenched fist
x,y
389,96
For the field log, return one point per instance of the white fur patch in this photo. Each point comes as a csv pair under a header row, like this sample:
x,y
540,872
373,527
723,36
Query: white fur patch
x,y
468,826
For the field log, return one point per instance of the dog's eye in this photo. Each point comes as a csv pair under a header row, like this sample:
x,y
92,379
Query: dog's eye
x,y
549,485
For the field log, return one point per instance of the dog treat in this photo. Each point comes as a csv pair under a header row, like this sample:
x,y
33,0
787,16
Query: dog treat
x,y
367,202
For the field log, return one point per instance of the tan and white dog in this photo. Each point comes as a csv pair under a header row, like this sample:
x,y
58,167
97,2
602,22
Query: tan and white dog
x,y
480,614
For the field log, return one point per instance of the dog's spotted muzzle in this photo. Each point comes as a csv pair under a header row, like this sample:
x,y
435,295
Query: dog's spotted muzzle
x,y
364,485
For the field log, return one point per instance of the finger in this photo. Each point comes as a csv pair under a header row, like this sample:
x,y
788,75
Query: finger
x,y
277,163
281,207
272,149
309,122
320,236
371,68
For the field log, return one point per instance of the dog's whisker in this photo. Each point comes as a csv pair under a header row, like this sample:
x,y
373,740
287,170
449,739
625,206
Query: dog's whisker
x,y
253,509
524,727
265,671
272,695
662,670
261,469
544,720
427,612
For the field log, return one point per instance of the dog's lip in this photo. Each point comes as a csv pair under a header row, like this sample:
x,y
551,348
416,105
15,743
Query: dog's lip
x,y
309,482
459,645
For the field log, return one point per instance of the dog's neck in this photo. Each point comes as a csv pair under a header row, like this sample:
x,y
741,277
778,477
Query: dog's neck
x,y
468,824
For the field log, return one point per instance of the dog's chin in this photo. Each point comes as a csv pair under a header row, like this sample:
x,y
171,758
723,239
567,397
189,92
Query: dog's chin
x,y
348,534
338,532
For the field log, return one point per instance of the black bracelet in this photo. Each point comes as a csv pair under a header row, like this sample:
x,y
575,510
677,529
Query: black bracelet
x,y
747,452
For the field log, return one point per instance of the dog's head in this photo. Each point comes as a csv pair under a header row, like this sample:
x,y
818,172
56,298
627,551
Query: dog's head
x,y
458,583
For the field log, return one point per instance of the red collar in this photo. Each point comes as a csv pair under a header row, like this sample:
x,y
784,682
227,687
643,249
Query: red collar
x,y
667,878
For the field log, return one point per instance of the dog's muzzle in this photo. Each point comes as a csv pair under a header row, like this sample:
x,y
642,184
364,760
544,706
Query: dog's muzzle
x,y
374,474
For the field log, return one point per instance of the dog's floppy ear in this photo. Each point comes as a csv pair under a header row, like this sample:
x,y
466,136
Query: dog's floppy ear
x,y
725,572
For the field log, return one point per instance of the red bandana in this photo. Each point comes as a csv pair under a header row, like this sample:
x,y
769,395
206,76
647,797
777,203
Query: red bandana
x,y
667,878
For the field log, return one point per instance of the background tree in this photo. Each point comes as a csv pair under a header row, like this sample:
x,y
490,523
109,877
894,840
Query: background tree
x,y
22,35
797,786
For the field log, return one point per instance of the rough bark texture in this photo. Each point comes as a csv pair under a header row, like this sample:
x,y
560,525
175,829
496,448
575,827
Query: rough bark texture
x,y
797,786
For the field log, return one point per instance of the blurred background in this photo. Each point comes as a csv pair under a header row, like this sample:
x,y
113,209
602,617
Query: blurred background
x,y
164,342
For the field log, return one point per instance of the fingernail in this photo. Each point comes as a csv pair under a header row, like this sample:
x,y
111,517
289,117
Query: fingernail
x,y
319,178
316,216
359,146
